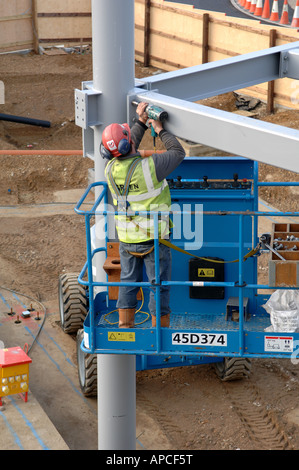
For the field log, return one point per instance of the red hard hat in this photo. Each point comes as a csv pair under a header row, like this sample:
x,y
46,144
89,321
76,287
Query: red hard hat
x,y
116,138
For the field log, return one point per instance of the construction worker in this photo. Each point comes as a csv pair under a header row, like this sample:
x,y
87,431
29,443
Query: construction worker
x,y
139,184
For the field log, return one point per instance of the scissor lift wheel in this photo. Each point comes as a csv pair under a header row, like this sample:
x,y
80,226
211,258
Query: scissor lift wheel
x,y
73,303
233,368
87,369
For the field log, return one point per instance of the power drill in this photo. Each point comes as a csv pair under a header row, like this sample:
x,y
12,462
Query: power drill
x,y
156,113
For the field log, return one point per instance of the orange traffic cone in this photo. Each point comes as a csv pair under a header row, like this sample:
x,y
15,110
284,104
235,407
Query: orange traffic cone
x,y
247,4
285,13
295,21
259,8
253,6
266,10
242,3
274,13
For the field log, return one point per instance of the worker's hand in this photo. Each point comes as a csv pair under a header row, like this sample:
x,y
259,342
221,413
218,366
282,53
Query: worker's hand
x,y
157,125
140,110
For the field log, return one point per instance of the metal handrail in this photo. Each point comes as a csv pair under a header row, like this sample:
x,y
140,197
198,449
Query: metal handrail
x,y
240,283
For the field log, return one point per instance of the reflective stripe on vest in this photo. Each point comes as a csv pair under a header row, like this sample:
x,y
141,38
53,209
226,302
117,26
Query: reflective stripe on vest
x,y
152,192
141,197
144,193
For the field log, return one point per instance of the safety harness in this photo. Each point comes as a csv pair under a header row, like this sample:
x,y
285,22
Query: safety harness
x,y
122,203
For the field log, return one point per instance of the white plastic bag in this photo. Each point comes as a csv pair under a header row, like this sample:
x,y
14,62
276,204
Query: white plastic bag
x,y
283,307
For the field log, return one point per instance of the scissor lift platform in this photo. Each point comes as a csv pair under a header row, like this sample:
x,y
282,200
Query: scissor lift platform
x,y
200,329
190,334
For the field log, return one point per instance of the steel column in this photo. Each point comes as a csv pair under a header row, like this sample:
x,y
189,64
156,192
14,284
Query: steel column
x,y
113,77
116,401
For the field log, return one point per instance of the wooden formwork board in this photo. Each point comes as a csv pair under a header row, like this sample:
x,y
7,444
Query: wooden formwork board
x,y
14,8
58,29
63,22
15,25
67,6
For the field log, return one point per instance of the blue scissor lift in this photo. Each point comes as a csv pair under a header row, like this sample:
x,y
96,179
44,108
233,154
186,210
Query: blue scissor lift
x,y
215,214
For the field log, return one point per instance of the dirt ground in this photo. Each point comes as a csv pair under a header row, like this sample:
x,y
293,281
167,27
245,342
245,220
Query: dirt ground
x,y
191,407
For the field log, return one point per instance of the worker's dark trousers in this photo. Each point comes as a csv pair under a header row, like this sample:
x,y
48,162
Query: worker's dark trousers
x,y
132,271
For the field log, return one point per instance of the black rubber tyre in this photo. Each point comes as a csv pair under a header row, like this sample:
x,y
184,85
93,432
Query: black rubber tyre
x,y
233,368
87,369
73,302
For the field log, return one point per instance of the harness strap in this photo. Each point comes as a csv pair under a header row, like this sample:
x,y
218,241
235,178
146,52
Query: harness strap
x,y
128,177
174,247
141,255
252,252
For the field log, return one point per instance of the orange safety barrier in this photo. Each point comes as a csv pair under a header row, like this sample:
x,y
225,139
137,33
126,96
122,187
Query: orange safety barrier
x,y
41,152
148,153
143,153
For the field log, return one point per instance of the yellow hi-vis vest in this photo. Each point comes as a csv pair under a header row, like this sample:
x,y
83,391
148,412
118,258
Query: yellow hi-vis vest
x,y
134,187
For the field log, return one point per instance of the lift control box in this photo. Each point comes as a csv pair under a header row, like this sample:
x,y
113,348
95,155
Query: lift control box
x,y
207,269
14,372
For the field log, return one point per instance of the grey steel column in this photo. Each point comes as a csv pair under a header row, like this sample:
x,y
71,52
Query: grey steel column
x,y
116,402
113,76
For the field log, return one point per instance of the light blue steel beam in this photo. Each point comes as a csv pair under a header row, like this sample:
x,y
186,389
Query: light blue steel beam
x,y
238,135
214,78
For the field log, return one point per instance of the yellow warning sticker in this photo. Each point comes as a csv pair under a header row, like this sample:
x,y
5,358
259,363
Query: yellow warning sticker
x,y
121,336
206,272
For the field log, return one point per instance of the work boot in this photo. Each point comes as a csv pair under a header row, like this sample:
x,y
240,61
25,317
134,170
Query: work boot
x,y
126,317
165,320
